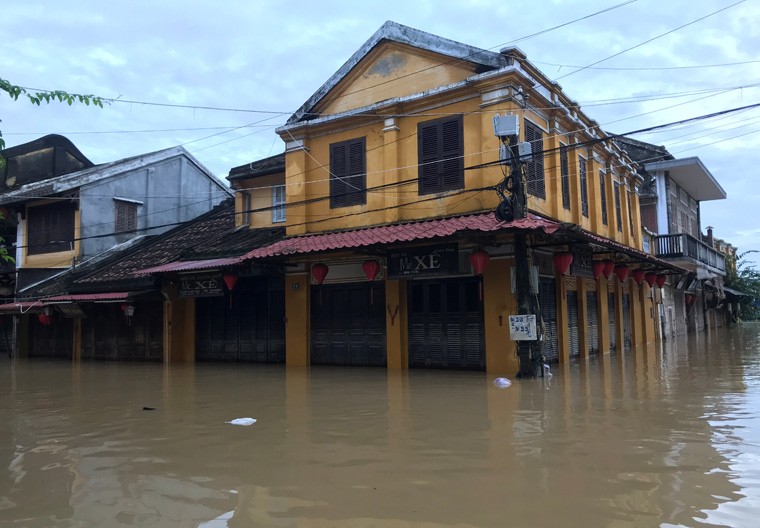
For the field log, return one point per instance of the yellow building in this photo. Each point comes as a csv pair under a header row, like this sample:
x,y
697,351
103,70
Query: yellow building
x,y
388,186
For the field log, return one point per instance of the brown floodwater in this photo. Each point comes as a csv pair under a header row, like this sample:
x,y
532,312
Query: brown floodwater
x,y
662,436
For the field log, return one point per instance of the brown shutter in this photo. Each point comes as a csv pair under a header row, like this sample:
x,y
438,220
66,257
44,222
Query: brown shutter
x,y
565,168
535,168
348,179
584,186
440,150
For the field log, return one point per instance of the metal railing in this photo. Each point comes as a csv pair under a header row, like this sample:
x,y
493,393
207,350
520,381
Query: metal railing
x,y
683,245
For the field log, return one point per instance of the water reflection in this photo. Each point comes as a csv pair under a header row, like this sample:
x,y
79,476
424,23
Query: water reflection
x,y
653,437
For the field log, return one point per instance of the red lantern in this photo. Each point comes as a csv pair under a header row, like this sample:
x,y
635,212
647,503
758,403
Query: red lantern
x,y
689,299
319,272
479,260
597,267
651,278
371,268
638,275
562,262
44,319
609,267
660,280
230,279
622,272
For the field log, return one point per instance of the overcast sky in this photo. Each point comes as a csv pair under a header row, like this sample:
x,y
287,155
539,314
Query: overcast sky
x,y
263,59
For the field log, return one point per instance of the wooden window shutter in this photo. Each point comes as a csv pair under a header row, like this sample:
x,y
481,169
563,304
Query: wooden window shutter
x,y
565,175
51,228
584,186
603,195
535,168
348,178
618,212
440,149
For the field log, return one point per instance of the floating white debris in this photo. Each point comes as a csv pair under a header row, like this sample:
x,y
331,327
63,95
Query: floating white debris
x,y
242,421
547,371
502,383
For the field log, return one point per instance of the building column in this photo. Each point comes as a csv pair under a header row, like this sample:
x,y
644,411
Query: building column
x,y
396,325
637,313
296,191
604,315
583,322
563,334
498,304
76,348
619,323
391,171
297,292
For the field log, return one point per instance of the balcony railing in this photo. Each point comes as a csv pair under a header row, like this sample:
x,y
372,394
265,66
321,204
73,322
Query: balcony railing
x,y
686,246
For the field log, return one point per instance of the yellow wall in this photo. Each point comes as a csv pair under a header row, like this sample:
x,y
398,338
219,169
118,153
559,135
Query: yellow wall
x,y
498,304
260,191
396,324
297,319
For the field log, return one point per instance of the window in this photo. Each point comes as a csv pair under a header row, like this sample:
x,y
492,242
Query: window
x,y
126,215
278,203
565,175
440,149
584,186
630,213
535,168
603,195
245,213
348,178
51,228
618,212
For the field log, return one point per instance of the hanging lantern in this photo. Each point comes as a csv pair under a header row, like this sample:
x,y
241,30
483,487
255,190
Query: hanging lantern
x,y
638,275
371,268
609,267
230,279
562,262
689,299
479,260
597,267
651,278
44,319
660,280
622,272
319,272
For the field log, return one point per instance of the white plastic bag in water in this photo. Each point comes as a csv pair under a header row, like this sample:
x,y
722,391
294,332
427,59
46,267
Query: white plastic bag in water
x,y
242,421
501,383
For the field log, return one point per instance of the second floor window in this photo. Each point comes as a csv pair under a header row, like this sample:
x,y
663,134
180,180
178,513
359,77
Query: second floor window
x,y
440,149
618,212
564,175
630,213
126,215
535,168
584,186
603,196
51,228
278,203
348,178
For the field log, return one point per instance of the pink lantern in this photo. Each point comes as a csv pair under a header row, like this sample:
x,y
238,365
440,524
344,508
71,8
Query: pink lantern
x,y
371,268
661,280
651,278
622,272
609,267
319,272
562,262
638,275
597,268
479,260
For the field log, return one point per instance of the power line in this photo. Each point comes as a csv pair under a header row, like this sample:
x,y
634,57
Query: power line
x,y
649,68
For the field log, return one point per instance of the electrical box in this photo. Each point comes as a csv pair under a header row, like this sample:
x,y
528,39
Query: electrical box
x,y
506,125
504,153
524,149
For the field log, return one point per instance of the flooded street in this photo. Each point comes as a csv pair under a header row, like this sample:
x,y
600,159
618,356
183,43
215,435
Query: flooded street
x,y
661,437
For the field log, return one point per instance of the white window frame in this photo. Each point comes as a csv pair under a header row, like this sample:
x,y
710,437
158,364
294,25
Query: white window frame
x,y
278,203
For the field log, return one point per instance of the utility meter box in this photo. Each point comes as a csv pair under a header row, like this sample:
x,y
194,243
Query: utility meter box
x,y
506,125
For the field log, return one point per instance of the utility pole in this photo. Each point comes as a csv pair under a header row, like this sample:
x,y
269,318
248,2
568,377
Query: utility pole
x,y
515,207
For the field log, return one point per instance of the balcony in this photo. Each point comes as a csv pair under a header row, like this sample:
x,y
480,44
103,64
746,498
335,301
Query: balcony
x,y
689,252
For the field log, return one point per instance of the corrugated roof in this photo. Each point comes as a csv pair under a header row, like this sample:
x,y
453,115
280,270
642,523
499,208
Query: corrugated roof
x,y
190,265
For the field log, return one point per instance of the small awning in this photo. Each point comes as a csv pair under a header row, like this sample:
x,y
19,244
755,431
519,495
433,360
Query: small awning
x,y
190,265
25,306
736,293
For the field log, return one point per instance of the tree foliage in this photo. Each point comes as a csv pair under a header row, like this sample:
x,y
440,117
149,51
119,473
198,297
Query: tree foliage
x,y
745,277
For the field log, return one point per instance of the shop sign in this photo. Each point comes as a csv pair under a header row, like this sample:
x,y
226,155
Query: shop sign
x,y
201,285
435,260
522,327
583,260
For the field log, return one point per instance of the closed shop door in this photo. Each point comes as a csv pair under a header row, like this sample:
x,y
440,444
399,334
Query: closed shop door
x,y
627,320
248,328
593,323
446,324
611,315
348,324
547,296
51,341
572,324
107,334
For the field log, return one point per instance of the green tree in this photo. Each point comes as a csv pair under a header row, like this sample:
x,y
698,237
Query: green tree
x,y
38,97
745,277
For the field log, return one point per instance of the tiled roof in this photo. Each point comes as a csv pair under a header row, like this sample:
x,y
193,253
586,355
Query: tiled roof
x,y
270,165
389,234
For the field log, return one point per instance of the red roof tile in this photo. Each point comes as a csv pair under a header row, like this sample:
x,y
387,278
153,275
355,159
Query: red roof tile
x,y
189,265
